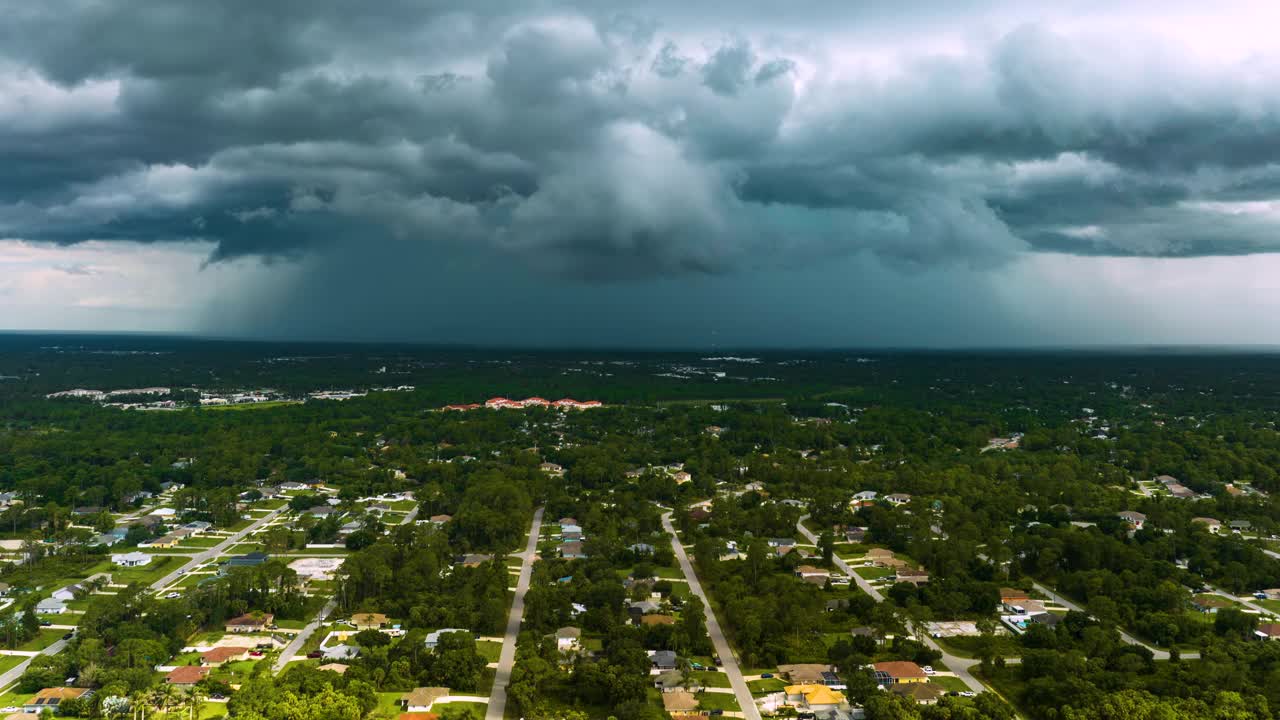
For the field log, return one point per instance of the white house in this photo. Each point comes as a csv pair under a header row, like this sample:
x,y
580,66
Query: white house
x,y
49,606
67,593
433,638
131,559
567,639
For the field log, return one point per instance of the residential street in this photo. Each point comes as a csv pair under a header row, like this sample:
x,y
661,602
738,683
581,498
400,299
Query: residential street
x,y
206,555
11,676
1157,653
300,638
728,662
507,658
958,665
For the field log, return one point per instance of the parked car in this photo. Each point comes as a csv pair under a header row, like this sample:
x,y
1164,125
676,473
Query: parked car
x,y
255,653
968,693
766,676
928,670
173,596
315,654
68,636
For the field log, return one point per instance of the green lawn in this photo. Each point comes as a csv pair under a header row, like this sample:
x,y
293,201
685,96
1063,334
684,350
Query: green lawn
x,y
388,705
950,683
717,701
488,650
43,639
873,573
8,662
711,679
1272,605
460,710
765,686
967,645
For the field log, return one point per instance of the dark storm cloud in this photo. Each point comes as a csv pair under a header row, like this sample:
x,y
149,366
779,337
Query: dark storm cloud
x,y
614,141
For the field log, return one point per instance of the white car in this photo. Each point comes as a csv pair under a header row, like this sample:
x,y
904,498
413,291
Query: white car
x,y
11,709
968,693
173,596
928,670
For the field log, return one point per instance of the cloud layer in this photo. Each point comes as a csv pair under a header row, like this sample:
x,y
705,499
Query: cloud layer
x,y
621,142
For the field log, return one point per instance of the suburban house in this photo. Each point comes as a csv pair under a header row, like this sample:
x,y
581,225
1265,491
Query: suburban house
x,y
198,526
898,499
804,673
473,560
253,559
925,693
870,632
68,593
1133,518
186,675
250,622
568,638
782,542
1213,526
898,671
878,556
50,606
421,699
369,621
814,698
1239,526
663,660
50,698
439,520
805,572
913,576
855,534
1011,596
312,568
572,551
131,559
669,681
1268,631
433,638
224,654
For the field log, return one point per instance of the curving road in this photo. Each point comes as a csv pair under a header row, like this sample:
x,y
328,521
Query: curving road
x,y
728,662
958,665
507,657
1156,652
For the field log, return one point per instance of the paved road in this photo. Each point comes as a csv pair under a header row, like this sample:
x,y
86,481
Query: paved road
x,y
728,662
11,676
1156,652
958,665
507,657
205,556
300,638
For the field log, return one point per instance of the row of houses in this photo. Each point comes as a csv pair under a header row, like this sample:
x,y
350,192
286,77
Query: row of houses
x,y
501,403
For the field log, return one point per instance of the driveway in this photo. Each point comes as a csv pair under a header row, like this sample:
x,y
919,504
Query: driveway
x,y
728,662
507,657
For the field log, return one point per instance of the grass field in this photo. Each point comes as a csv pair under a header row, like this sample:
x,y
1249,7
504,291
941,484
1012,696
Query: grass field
x,y
950,683
250,406
765,686
873,573
488,650
717,701
711,679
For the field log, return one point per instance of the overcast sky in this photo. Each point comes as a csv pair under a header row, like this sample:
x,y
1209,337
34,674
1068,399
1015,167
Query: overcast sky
x,y
760,173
